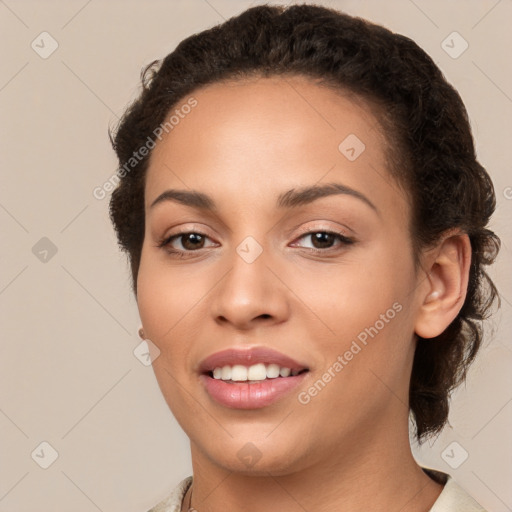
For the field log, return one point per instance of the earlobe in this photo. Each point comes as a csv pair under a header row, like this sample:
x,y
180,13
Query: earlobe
x,y
447,278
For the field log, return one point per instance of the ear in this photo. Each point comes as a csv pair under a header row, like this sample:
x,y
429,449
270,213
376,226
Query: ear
x,y
445,289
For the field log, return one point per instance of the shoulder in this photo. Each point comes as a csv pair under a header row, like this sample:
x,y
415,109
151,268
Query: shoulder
x,y
173,502
454,498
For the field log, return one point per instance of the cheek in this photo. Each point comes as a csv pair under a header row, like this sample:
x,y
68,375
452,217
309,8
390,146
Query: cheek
x,y
365,304
166,305
351,296
166,297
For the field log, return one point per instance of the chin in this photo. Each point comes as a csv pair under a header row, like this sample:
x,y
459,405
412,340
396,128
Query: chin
x,y
250,458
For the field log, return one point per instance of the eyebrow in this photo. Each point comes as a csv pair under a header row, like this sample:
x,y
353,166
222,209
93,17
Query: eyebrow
x,y
292,198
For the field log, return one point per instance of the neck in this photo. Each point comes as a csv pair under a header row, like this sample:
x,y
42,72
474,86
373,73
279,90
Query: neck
x,y
369,473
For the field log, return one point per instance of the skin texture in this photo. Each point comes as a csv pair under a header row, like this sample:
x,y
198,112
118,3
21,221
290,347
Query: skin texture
x,y
348,448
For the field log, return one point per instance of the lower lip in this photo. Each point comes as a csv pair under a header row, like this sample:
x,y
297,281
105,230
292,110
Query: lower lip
x,y
250,395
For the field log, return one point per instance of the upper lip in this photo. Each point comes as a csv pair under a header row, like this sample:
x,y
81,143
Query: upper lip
x,y
248,357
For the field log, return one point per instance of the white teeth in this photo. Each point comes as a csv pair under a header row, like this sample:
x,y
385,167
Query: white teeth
x,y
255,372
239,372
272,371
226,373
284,372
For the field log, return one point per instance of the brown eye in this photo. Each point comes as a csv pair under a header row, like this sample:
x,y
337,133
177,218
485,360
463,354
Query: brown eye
x,y
191,241
322,240
325,240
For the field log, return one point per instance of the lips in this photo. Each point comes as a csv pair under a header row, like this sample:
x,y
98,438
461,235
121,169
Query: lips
x,y
258,390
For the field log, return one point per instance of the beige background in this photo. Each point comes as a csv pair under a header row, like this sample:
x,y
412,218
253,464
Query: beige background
x,y
69,325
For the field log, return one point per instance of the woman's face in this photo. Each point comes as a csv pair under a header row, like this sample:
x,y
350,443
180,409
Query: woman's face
x,y
323,277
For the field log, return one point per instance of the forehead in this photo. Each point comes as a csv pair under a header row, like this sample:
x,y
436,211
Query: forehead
x,y
263,135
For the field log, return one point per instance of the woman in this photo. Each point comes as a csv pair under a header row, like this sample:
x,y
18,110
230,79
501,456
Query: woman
x,y
306,220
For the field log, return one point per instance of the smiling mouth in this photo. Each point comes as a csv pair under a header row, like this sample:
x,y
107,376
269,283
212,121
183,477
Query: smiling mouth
x,y
254,373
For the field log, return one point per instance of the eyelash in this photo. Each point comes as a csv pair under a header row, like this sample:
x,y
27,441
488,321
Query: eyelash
x,y
178,253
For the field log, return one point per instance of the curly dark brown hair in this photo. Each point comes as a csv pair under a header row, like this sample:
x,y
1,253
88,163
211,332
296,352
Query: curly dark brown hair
x,y
420,112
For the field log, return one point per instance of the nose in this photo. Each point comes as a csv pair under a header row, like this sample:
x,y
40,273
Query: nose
x,y
250,294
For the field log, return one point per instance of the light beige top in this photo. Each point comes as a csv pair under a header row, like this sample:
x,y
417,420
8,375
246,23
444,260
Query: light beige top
x,y
453,498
